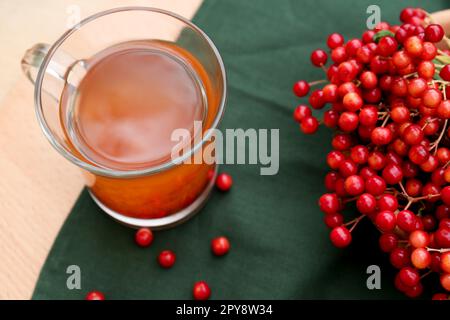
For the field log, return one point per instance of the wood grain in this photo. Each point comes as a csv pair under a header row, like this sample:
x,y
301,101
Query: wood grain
x,y
38,186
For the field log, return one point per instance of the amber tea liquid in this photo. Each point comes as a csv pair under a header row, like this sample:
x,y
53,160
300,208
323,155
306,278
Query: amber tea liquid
x,y
121,116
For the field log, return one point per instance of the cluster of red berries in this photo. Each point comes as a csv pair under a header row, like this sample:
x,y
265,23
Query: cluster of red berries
x,y
166,259
388,95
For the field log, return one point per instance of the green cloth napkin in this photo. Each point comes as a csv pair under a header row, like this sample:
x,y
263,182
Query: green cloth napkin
x,y
280,246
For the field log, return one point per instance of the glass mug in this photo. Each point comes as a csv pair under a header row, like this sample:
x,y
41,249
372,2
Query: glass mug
x,y
156,191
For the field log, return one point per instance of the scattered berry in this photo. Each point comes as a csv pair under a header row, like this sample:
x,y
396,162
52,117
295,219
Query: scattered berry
x,y
201,291
95,295
301,88
220,246
335,40
144,237
301,112
224,181
340,237
166,259
309,125
319,57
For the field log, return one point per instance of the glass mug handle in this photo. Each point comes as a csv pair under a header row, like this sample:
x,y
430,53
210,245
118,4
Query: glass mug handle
x,y
62,68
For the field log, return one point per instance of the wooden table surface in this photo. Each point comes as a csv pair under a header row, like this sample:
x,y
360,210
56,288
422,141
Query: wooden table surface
x,y
38,186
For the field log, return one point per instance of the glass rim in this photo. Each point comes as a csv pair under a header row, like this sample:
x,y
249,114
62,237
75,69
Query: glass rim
x,y
125,173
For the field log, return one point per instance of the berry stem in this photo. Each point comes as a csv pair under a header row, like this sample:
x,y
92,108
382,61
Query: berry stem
x,y
438,250
446,165
350,199
382,115
403,189
426,274
439,81
428,121
438,65
429,196
442,53
410,202
313,83
410,75
436,143
386,120
354,222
